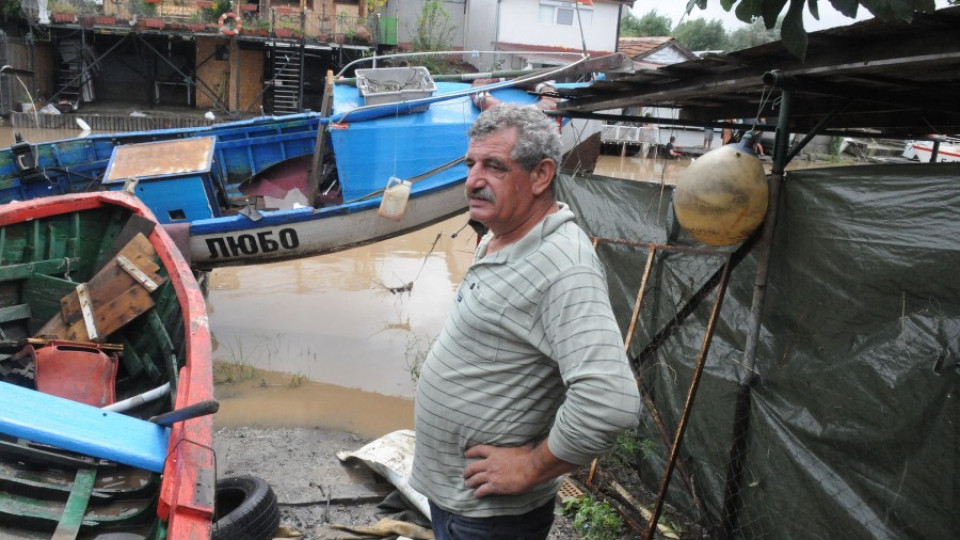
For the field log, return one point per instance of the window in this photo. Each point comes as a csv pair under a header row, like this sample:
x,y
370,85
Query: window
x,y
564,13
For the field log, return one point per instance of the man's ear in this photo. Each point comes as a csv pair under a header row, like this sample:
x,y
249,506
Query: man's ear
x,y
542,175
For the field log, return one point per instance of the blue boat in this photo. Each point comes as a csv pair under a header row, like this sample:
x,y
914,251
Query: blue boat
x,y
242,192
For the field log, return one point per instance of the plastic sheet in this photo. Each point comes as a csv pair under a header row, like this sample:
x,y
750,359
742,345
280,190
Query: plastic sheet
x,y
853,419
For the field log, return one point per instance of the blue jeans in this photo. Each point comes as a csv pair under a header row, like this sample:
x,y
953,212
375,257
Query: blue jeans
x,y
534,525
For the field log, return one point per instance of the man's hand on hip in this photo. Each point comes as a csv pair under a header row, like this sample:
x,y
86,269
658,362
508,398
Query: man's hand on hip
x,y
502,470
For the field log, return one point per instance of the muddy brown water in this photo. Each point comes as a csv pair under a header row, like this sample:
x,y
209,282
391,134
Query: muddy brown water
x,y
333,341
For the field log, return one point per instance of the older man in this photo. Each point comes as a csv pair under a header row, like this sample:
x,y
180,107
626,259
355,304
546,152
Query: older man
x,y
528,378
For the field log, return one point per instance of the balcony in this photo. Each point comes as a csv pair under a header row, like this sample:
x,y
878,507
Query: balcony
x,y
263,20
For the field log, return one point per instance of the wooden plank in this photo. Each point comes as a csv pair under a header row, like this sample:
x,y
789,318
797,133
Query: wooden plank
x,y
81,428
13,313
25,270
43,293
115,296
76,506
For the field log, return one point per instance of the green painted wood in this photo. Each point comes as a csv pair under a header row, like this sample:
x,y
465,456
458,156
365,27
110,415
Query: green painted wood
x,y
76,506
25,270
14,313
130,359
43,293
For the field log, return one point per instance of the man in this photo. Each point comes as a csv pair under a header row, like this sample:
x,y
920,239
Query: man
x,y
671,153
707,138
528,379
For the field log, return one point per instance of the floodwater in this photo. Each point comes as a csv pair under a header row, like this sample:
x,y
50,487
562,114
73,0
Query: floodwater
x,y
334,341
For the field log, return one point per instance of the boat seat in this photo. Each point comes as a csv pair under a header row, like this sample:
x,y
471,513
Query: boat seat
x,y
75,371
81,428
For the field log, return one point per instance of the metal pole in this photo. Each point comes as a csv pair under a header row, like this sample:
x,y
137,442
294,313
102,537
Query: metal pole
x,y
688,405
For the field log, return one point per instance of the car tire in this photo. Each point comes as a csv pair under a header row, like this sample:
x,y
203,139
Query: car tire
x,y
245,509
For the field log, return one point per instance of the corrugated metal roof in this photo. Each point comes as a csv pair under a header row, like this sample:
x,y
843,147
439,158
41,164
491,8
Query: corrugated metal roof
x,y
900,79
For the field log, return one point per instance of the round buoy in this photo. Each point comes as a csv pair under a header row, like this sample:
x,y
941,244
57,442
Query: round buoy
x,y
722,196
227,30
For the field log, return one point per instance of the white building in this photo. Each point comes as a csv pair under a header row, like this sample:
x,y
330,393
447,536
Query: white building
x,y
537,26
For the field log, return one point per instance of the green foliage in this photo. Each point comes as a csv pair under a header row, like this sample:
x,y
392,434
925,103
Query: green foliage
x,y
432,33
755,34
651,24
10,9
67,8
374,5
220,7
142,9
793,34
595,520
700,35
434,30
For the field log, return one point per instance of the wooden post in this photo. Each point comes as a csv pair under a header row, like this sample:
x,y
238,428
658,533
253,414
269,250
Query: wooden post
x,y
321,145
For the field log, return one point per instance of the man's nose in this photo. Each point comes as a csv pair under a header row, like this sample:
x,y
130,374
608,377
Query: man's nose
x,y
474,177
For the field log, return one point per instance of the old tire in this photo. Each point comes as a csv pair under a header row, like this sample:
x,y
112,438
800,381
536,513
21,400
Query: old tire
x,y
245,509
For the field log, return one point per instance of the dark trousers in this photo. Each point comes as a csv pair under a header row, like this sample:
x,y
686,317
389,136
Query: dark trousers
x,y
534,525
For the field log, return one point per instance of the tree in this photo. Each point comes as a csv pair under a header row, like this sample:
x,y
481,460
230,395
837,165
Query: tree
x,y
10,9
651,24
755,34
794,35
700,35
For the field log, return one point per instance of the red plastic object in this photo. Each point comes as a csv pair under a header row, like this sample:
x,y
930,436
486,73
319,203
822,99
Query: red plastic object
x,y
78,372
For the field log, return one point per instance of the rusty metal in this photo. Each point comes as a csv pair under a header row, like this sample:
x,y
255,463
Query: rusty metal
x,y
691,394
644,392
662,247
636,305
177,156
86,308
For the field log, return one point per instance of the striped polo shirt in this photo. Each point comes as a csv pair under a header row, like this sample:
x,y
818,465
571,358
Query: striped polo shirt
x,y
530,350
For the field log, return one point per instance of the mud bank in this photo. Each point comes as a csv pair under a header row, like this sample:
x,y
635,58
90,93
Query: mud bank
x,y
314,488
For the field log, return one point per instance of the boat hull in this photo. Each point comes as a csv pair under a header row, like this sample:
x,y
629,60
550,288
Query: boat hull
x,y
170,493
290,234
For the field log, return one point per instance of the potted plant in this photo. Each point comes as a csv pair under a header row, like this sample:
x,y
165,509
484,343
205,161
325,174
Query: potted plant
x,y
153,22
63,12
286,29
249,7
204,4
105,20
196,24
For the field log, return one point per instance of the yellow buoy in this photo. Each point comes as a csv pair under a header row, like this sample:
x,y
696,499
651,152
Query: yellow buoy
x,y
722,196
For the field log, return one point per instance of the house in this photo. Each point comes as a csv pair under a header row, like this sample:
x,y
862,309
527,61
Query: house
x,y
543,26
651,52
236,57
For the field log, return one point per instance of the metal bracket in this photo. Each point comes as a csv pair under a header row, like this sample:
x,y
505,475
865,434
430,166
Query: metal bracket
x,y
86,308
130,184
136,273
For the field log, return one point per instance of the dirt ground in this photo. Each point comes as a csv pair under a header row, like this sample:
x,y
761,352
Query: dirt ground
x,y
317,491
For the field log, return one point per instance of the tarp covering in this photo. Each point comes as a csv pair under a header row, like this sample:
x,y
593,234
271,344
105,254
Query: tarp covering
x,y
853,415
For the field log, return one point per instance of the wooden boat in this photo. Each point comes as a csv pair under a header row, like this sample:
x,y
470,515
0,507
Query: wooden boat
x,y
243,193
105,352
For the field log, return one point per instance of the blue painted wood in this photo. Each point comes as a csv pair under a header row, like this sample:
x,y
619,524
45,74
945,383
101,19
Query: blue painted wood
x,y
59,422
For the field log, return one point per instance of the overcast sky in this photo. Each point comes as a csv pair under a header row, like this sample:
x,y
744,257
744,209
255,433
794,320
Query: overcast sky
x,y
829,17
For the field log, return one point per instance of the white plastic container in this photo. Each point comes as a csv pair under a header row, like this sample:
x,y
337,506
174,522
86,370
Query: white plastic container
x,y
395,196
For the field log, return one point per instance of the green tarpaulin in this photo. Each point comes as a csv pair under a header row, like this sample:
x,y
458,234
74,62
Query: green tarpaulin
x,y
853,415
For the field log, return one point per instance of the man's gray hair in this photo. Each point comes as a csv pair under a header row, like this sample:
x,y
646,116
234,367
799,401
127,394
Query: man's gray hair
x,y
537,133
